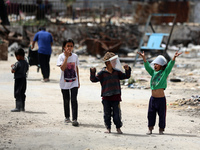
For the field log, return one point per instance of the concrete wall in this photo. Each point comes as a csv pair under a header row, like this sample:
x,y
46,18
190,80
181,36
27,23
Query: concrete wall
x,y
196,12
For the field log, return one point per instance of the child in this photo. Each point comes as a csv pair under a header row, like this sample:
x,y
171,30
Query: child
x,y
20,69
158,84
69,80
109,78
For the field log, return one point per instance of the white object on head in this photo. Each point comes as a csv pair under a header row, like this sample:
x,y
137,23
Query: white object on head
x,y
160,60
115,62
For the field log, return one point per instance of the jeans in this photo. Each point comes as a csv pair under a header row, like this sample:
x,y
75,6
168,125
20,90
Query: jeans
x,y
157,105
112,109
44,64
74,104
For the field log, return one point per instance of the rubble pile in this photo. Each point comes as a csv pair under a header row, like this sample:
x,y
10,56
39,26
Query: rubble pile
x,y
6,34
119,39
193,101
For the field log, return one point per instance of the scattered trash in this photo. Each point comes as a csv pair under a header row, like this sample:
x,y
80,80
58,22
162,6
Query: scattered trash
x,y
193,101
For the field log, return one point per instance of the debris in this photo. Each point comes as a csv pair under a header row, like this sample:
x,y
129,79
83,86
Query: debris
x,y
3,50
100,47
193,101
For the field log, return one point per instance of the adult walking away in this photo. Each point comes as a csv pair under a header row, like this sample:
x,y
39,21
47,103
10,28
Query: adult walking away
x,y
45,41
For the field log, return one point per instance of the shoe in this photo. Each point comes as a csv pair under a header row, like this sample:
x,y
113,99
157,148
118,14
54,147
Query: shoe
x,y
45,80
15,110
75,123
67,120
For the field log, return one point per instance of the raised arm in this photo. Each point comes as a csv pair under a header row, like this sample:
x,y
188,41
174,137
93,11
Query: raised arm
x,y
127,73
93,76
143,56
146,63
176,55
67,54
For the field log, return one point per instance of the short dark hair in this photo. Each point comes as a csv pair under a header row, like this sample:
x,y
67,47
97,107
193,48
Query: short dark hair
x,y
42,28
67,41
20,52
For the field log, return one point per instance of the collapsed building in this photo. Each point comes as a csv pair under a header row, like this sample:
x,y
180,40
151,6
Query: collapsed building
x,y
114,32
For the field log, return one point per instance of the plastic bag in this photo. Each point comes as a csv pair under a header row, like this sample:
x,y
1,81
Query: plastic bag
x,y
115,62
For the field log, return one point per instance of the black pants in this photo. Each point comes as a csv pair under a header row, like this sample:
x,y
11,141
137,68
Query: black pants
x,y
19,92
74,104
44,64
112,109
157,105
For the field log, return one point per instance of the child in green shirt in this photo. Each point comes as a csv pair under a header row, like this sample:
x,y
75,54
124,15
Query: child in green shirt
x,y
158,84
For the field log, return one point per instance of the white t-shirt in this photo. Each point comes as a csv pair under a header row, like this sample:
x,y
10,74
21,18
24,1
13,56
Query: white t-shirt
x,y
69,77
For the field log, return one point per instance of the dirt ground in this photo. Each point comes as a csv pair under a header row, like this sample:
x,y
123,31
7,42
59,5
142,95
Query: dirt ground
x,y
42,125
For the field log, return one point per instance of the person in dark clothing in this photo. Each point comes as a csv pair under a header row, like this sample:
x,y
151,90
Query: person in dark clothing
x,y
20,69
109,78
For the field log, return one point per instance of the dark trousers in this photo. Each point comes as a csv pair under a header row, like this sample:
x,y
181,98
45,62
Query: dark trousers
x,y
19,92
157,105
44,64
112,109
67,93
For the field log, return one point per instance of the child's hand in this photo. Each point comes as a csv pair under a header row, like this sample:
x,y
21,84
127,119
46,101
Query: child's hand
x,y
142,55
126,67
93,69
176,55
12,65
67,52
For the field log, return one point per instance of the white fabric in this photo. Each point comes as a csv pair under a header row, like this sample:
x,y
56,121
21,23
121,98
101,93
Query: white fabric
x,y
68,78
160,60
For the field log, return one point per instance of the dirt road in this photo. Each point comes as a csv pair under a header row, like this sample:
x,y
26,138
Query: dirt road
x,y
42,125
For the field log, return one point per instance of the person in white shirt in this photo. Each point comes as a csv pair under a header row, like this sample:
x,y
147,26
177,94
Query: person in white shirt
x,y
69,80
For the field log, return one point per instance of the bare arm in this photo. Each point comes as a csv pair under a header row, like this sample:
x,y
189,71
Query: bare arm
x,y
78,76
146,63
67,54
63,66
33,45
